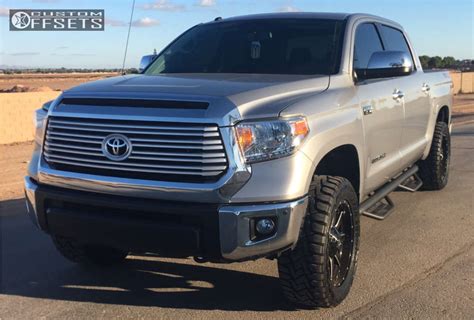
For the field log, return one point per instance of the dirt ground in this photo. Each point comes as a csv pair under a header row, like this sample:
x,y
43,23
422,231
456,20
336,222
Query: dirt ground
x,y
57,82
14,160
463,108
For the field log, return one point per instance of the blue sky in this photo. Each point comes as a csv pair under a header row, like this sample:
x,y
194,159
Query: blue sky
x,y
436,27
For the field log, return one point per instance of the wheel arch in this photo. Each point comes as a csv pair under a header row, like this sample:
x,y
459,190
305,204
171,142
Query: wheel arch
x,y
443,114
342,161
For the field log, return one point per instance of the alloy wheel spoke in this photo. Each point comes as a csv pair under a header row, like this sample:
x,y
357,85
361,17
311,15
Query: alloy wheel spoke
x,y
339,245
331,266
336,236
337,258
339,219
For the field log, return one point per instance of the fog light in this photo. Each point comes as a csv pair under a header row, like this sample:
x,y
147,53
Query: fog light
x,y
265,226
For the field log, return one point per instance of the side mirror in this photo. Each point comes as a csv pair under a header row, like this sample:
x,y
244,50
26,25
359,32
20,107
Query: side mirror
x,y
146,61
387,64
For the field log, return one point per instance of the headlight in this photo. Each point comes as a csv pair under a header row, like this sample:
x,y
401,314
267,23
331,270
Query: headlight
x,y
265,140
39,120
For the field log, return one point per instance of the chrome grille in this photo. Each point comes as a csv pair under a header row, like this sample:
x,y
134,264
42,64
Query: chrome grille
x,y
160,150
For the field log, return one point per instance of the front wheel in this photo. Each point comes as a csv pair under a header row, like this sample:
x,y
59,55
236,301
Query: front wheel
x,y
88,254
319,271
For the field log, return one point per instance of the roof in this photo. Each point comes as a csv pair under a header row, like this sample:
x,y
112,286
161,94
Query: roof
x,y
306,15
290,15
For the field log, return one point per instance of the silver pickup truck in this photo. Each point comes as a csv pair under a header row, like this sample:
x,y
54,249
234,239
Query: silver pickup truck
x,y
248,137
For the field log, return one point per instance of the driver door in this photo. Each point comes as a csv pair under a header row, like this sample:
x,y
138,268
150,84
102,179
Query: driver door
x,y
382,113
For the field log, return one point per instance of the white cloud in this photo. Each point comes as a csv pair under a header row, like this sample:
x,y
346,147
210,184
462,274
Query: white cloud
x,y
140,23
83,54
4,12
289,9
115,23
163,5
145,22
24,53
73,54
206,3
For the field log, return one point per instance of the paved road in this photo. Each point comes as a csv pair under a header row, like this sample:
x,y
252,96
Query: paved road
x,y
419,263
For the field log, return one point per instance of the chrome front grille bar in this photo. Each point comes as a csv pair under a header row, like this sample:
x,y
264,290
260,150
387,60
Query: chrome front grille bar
x,y
166,149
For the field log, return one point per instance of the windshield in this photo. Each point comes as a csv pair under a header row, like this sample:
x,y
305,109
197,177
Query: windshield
x,y
277,46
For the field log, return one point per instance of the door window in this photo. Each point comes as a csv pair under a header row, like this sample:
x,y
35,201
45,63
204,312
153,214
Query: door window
x,y
367,41
394,40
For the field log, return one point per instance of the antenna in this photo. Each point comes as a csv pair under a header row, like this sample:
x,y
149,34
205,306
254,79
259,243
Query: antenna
x,y
128,37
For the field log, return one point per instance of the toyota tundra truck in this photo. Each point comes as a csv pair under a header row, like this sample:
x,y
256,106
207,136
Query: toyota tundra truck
x,y
261,136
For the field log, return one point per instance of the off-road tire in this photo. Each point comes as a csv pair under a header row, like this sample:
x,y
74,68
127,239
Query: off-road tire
x,y
434,170
304,271
88,254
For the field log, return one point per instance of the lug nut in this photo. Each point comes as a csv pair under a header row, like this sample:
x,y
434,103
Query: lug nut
x,y
265,226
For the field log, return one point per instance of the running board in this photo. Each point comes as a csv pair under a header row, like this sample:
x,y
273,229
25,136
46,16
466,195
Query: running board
x,y
412,184
374,207
381,209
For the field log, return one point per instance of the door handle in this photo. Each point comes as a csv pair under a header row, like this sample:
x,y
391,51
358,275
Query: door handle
x,y
425,87
397,94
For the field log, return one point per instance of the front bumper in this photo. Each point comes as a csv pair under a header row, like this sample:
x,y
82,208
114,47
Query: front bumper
x,y
171,228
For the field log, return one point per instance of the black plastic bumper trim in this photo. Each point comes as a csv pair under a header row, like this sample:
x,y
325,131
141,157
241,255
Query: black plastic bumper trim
x,y
170,228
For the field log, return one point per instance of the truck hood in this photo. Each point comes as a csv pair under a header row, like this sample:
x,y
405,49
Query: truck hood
x,y
231,97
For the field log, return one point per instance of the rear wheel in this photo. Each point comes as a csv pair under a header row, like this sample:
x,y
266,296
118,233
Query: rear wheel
x,y
88,254
319,271
434,170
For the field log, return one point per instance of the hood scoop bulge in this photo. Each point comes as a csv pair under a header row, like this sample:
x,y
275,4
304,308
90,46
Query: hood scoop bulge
x,y
137,103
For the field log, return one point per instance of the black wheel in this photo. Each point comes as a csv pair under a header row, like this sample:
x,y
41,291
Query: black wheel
x,y
88,254
319,271
434,170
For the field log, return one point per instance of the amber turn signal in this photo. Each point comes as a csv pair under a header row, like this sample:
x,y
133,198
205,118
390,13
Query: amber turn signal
x,y
245,137
300,128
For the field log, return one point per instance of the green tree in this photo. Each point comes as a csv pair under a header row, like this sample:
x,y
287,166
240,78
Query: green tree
x,y
435,62
424,61
449,62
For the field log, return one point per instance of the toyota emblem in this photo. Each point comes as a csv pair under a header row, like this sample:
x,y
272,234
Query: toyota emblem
x,y
116,147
